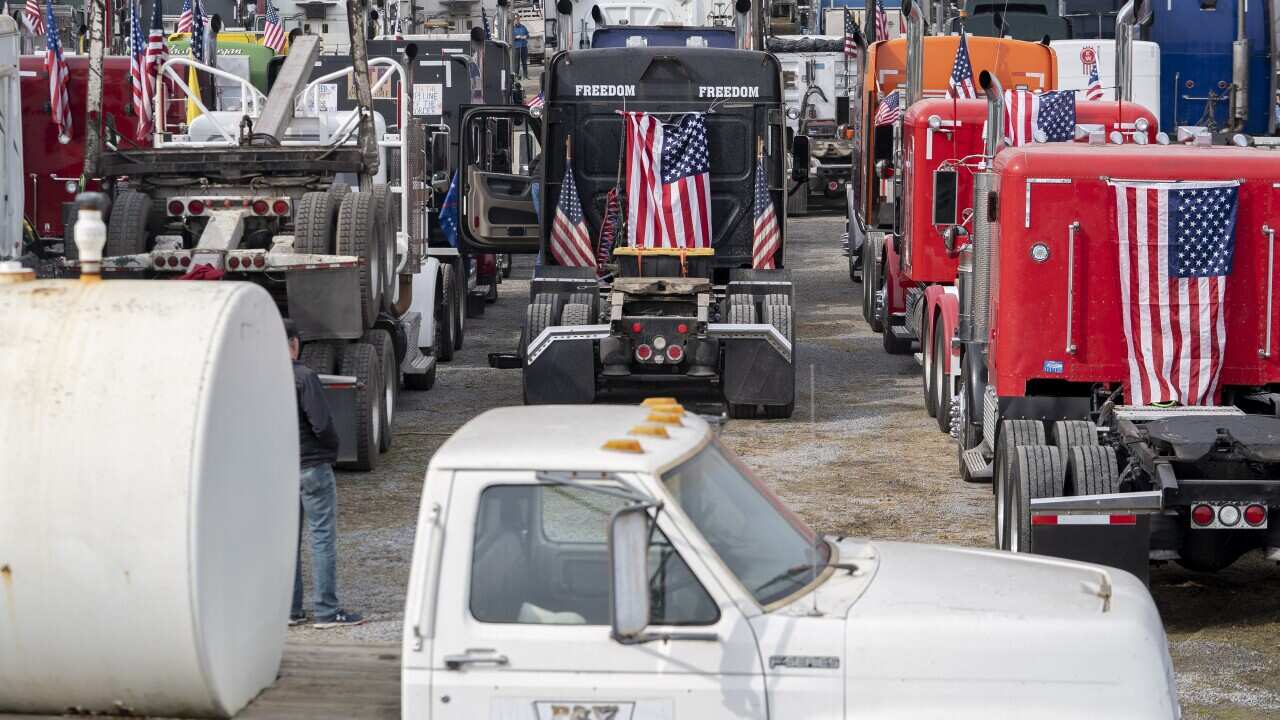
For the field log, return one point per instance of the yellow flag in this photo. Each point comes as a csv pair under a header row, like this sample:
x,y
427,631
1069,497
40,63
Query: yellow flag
x,y
193,110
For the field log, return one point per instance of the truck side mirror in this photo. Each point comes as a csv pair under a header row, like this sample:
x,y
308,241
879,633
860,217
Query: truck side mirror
x,y
629,567
800,155
439,152
550,35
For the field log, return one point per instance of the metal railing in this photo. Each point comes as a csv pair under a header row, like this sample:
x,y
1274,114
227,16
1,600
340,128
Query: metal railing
x,y
251,100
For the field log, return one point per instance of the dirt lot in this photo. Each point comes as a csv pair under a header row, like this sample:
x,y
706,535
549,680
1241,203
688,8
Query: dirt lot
x,y
859,457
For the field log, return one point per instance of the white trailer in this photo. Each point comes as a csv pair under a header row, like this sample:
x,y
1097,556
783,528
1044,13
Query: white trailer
x,y
621,562
1076,56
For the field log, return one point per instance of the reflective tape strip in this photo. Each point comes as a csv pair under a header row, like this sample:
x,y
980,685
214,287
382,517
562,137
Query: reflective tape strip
x,y
1045,519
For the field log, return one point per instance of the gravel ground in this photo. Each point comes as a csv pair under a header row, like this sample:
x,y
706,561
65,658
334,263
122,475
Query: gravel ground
x,y
860,457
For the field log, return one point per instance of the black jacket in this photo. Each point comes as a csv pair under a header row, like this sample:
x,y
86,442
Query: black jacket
x,y
317,436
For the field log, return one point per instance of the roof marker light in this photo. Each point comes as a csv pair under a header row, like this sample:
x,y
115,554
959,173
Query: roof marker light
x,y
623,445
664,418
655,431
656,401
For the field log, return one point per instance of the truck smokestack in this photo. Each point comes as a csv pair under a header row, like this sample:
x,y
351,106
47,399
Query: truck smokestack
x,y
1131,16
501,22
915,50
564,21
742,24
995,113
1240,72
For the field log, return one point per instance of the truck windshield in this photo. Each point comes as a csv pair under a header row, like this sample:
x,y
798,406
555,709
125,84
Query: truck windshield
x,y
765,545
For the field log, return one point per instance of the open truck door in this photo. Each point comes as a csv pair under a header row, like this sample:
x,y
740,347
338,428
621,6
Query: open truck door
x,y
501,158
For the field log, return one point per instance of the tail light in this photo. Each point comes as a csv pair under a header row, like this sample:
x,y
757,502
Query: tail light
x,y
643,353
196,207
1202,515
173,261
1229,515
280,207
159,261
260,207
637,328
675,353
682,328
185,261
233,263
175,207
1255,514
259,261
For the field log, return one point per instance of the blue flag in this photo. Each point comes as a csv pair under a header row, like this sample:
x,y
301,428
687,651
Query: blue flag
x,y
449,212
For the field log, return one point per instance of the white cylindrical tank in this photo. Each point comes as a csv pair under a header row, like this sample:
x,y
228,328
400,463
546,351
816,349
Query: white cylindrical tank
x,y
1073,69
148,496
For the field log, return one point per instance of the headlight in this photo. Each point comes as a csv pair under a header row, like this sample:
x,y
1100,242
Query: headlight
x,y
793,113
1039,252
935,122
1141,125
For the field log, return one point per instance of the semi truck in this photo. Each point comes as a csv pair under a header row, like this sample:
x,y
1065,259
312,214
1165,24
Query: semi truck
x,y
622,562
1123,418
697,320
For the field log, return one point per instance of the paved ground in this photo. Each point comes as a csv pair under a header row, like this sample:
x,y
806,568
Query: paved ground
x,y
860,457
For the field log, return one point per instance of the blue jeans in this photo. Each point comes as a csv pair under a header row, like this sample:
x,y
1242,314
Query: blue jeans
x,y
319,510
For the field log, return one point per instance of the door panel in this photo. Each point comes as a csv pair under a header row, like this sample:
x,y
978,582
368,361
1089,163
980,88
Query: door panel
x,y
500,159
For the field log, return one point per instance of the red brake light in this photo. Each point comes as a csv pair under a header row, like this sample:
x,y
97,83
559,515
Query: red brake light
x,y
185,261
175,207
674,353
259,261
682,328
260,207
1202,515
233,263
173,261
195,207
1255,514
637,328
280,207
159,261
644,352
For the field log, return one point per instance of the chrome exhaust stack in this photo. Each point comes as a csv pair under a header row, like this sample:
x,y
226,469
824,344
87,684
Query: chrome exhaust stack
x,y
1133,15
1239,72
976,262
743,36
915,50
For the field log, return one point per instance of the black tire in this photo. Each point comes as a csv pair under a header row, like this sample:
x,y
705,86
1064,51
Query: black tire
x,y
320,356
1070,433
507,266
779,316
1037,473
361,361
127,228
1012,435
892,343
927,375
313,223
1092,469
384,207
742,312
460,313
381,341
338,191
741,411
872,281
358,236
943,386
588,299
576,314
540,315
446,327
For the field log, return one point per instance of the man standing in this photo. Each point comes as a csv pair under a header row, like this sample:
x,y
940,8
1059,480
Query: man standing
x,y
520,36
318,443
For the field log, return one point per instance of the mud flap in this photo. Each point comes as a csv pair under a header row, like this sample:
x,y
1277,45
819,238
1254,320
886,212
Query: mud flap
x,y
340,393
756,373
564,372
325,303
1097,539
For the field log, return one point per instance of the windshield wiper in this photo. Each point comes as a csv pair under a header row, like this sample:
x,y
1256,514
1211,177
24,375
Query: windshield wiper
x,y
784,575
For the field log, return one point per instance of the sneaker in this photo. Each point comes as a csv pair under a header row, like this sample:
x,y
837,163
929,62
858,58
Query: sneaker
x,y
342,618
297,619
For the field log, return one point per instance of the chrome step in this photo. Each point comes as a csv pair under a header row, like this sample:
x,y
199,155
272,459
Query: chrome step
x,y
978,466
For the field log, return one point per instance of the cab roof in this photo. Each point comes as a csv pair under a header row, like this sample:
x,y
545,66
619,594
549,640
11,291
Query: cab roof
x,y
568,437
1138,162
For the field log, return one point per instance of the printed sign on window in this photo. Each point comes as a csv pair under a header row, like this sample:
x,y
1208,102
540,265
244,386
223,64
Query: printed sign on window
x,y
428,99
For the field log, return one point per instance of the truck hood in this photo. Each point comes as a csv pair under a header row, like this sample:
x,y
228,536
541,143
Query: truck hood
x,y
936,631
953,631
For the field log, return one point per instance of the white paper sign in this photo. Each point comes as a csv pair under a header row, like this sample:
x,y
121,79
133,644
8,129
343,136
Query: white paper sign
x,y
428,99
325,99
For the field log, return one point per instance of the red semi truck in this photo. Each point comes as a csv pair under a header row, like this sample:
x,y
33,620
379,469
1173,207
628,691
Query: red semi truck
x,y
1121,418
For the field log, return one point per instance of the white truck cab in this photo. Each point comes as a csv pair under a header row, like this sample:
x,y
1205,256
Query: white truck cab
x,y
620,562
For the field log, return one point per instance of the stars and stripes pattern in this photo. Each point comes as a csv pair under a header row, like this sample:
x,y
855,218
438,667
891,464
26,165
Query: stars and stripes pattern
x,y
197,31
881,21
1052,113
1094,91
138,75
888,112
534,102
961,83
609,228
157,50
767,236
55,65
1176,245
32,16
850,35
570,241
273,30
186,18
668,182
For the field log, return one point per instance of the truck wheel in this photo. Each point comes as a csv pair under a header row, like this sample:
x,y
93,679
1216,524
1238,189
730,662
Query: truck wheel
x,y
446,308
576,314
386,212
1070,433
1012,435
742,312
877,284
538,317
777,312
460,314
360,360
338,191
1037,473
506,265
358,236
943,387
321,357
381,341
313,222
1092,469
127,228
927,380
587,299
868,281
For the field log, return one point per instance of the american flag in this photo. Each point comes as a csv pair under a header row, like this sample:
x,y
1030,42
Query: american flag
x,y
1053,113
961,84
534,102
185,19
484,18
609,227
197,31
1176,245
851,34
32,16
56,67
882,21
668,182
570,241
767,235
888,112
157,49
273,31
138,75
1095,83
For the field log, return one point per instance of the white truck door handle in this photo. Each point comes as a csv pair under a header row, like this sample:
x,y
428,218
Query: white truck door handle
x,y
472,657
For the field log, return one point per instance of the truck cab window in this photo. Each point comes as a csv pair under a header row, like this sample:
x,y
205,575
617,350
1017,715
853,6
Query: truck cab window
x,y
541,557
